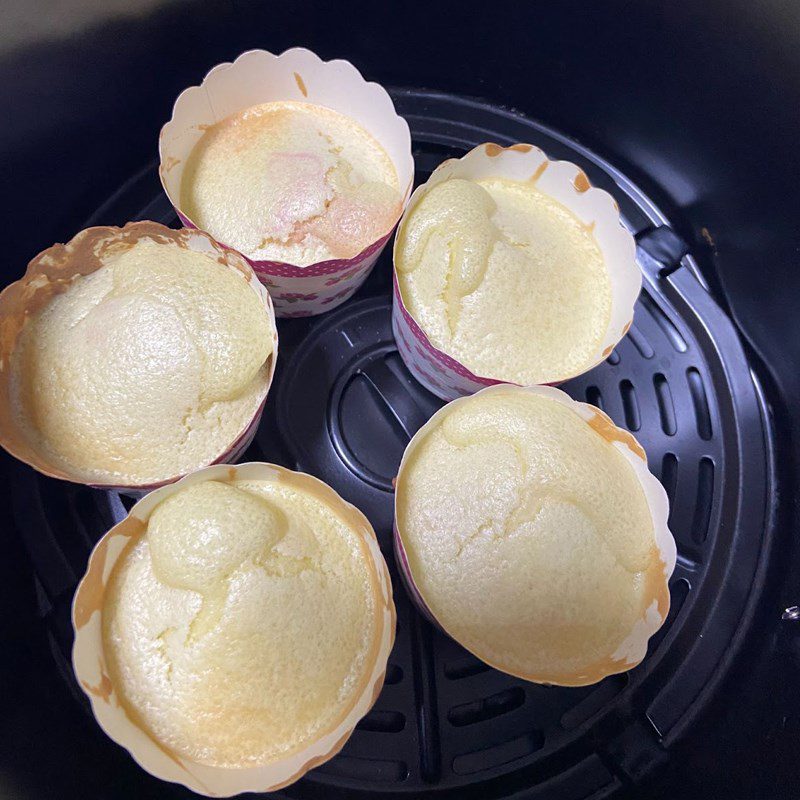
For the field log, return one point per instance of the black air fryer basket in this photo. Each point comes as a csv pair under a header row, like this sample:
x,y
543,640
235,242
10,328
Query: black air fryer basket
x,y
344,407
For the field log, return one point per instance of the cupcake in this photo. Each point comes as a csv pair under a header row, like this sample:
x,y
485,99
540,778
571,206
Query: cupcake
x,y
292,182
528,527
298,164
510,267
234,628
131,356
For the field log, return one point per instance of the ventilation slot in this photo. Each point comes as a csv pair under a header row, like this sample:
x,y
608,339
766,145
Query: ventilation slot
x,y
669,479
630,405
383,722
640,342
366,769
394,674
464,668
594,397
486,708
705,492
54,571
613,358
700,401
595,702
491,757
666,406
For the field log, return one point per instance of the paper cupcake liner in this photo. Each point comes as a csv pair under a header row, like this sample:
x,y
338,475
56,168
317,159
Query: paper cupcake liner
x,y
258,76
89,661
53,270
566,183
401,558
634,648
436,371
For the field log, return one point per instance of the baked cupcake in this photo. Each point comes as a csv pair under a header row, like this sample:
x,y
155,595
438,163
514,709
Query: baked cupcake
x,y
529,528
131,356
512,268
299,164
292,182
234,628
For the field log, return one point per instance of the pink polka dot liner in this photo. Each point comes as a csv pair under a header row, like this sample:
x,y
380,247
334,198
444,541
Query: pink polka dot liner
x,y
566,183
258,76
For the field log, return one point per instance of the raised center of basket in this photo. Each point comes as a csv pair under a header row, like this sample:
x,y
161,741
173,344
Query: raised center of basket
x,y
349,370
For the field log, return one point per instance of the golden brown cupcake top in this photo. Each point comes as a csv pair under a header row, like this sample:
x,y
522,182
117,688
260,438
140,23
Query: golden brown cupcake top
x,y
530,537
142,366
504,279
243,623
292,182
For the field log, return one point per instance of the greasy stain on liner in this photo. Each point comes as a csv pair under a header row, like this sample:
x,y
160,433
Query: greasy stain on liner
x,y
493,149
90,598
91,592
301,84
169,163
311,763
607,351
539,171
581,182
103,690
602,424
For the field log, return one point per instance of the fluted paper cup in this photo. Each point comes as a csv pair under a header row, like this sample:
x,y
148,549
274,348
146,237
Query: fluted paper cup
x,y
633,649
51,272
90,663
566,183
258,76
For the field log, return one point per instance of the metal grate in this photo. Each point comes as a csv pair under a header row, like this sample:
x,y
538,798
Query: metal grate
x,y
344,407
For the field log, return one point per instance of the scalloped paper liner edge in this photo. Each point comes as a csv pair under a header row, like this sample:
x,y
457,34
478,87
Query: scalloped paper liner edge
x,y
51,271
90,667
258,76
634,648
566,183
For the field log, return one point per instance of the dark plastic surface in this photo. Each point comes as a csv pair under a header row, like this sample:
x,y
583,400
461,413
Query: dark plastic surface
x,y
343,407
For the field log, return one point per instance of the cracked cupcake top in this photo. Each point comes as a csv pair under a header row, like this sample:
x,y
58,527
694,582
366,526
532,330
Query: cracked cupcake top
x,y
291,182
146,368
504,279
241,624
529,535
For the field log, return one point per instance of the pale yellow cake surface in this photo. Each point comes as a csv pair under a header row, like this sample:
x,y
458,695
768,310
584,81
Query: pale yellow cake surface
x,y
504,279
292,182
240,627
528,535
145,369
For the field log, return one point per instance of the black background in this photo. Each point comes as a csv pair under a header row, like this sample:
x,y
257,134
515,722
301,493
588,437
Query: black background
x,y
697,101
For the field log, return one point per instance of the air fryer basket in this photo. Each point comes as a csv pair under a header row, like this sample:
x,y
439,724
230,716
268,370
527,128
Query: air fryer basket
x,y
343,409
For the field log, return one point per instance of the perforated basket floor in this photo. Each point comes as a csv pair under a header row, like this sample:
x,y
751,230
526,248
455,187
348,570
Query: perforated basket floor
x,y
343,408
